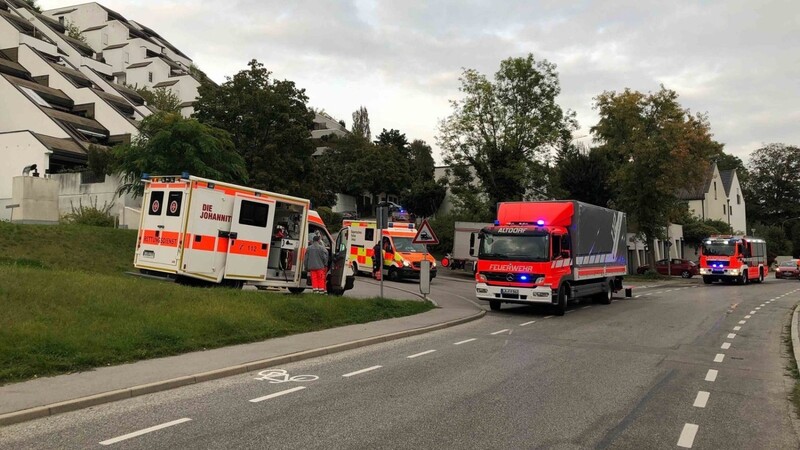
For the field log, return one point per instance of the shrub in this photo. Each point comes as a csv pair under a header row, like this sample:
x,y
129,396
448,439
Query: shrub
x,y
90,215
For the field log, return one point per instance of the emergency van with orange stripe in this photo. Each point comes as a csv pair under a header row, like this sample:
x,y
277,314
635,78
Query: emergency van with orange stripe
x,y
401,257
550,252
203,231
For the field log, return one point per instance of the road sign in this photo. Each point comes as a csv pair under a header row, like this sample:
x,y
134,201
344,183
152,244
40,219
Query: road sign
x,y
425,235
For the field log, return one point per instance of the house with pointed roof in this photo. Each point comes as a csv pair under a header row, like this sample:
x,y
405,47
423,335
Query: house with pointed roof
x,y
718,197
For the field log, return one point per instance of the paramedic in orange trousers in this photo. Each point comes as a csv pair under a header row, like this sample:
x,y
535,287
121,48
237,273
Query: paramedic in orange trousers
x,y
317,265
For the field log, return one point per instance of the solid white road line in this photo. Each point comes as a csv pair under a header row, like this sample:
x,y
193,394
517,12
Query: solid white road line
x,y
571,311
687,435
719,357
527,323
547,317
737,328
748,316
464,342
420,354
277,394
731,335
726,346
702,399
361,371
712,375
498,332
145,431
742,322
587,306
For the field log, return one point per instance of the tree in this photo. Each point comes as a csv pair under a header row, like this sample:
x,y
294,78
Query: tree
x,y
422,163
503,131
361,124
393,138
33,4
583,174
774,186
169,144
73,31
161,98
270,125
653,145
777,244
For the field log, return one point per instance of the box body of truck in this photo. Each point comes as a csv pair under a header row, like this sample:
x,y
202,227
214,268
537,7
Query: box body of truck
x,y
551,252
205,231
463,234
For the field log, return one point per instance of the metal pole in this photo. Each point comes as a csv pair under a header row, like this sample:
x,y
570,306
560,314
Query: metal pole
x,y
380,257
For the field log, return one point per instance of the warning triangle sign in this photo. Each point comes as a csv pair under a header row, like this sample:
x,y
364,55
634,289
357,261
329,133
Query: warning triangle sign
x,y
425,235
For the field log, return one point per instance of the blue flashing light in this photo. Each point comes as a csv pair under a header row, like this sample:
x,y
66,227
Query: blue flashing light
x,y
185,175
523,278
496,222
145,176
540,222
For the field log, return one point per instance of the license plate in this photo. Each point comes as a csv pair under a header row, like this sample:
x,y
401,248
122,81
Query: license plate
x,y
510,291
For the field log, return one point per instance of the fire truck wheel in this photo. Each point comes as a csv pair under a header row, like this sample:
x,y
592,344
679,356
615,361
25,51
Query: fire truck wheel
x,y
707,279
494,305
760,276
560,308
296,290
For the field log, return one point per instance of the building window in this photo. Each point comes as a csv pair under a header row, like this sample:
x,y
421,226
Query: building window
x,y
738,199
723,209
61,20
715,184
150,76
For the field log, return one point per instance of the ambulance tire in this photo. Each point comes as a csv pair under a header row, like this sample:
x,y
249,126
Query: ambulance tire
x,y
296,290
560,308
394,275
233,284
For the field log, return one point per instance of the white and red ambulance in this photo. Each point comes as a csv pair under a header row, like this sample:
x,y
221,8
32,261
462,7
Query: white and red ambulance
x,y
204,231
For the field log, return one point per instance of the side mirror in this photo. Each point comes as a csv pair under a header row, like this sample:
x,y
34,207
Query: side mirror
x,y
565,254
472,244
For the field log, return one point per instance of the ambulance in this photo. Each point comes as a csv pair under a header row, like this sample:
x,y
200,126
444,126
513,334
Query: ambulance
x,y
205,232
401,258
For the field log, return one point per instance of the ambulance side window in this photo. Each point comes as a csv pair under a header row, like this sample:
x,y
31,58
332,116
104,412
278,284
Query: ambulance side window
x,y
254,214
369,234
174,204
156,203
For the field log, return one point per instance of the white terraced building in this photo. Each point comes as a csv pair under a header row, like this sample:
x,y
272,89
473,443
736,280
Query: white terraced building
x,y
60,96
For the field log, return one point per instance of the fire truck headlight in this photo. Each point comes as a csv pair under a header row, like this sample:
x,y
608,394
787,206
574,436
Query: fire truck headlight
x,y
481,278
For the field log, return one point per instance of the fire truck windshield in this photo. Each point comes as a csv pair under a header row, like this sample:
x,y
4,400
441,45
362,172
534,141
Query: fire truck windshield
x,y
526,247
718,248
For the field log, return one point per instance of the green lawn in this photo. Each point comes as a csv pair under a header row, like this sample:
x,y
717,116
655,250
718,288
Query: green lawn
x,y
67,306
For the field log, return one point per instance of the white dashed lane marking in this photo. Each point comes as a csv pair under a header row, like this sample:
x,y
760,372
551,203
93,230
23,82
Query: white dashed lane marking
x,y
687,435
737,328
726,346
731,335
420,354
358,372
145,431
748,316
277,394
498,332
719,358
742,322
701,399
464,342
712,375
527,323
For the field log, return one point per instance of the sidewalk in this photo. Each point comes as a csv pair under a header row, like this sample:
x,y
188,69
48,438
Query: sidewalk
x,y
54,395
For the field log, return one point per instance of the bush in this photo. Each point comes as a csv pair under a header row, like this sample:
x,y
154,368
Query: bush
x,y
90,215
333,221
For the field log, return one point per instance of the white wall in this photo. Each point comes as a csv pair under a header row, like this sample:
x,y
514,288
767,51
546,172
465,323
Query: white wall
x,y
86,16
20,113
186,88
738,216
139,76
9,36
73,193
38,199
19,149
344,203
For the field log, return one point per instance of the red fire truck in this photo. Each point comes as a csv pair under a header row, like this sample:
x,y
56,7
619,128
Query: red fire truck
x,y
550,252
738,259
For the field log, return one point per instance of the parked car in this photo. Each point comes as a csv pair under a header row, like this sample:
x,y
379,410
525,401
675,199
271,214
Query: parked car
x,y
787,269
682,267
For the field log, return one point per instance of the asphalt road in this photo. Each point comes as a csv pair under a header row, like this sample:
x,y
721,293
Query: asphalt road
x,y
683,365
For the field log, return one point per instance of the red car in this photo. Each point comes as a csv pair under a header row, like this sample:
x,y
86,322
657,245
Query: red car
x,y
788,269
682,267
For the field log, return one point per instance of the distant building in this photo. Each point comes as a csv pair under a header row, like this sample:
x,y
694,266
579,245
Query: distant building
x,y
718,196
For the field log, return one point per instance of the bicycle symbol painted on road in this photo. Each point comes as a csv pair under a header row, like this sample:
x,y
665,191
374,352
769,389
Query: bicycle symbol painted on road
x,y
282,376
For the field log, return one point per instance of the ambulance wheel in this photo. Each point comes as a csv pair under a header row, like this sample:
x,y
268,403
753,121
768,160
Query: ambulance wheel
x,y
296,290
560,308
394,275
233,284
494,305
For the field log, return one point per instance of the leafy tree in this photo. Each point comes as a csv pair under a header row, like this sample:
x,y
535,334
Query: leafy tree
x,y
774,185
169,144
393,138
503,131
34,5
777,244
161,98
424,197
695,230
729,162
361,124
74,31
270,125
583,174
654,145
422,163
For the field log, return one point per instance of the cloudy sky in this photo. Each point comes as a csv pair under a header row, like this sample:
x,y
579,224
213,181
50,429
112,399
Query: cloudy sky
x,y
738,61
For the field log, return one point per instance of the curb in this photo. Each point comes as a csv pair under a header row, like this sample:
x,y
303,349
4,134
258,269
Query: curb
x,y
795,338
135,391
422,297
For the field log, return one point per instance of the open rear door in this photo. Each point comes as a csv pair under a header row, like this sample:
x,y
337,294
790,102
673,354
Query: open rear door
x,y
249,238
340,262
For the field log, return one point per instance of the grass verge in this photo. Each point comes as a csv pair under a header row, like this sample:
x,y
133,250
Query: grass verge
x,y
60,321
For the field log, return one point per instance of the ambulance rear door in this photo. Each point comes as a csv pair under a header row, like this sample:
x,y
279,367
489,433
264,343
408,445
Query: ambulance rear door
x,y
161,227
249,238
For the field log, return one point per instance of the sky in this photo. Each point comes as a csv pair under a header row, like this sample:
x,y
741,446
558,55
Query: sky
x,y
736,61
